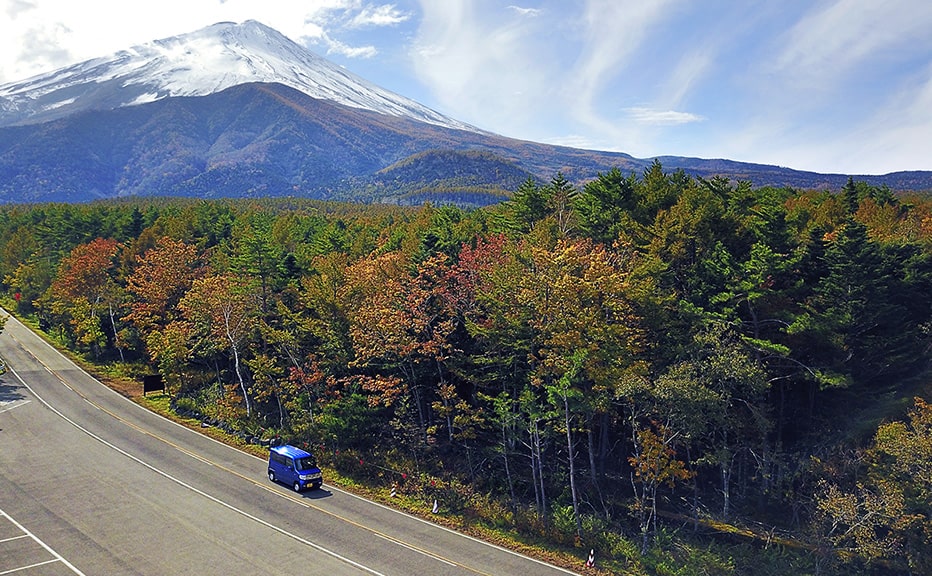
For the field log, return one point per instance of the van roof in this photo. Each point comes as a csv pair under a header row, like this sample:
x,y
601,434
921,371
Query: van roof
x,y
289,450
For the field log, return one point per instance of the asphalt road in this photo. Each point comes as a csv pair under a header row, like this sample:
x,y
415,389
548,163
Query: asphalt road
x,y
93,484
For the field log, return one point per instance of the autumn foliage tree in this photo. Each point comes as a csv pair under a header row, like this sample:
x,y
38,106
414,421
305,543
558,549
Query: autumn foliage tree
x,y
160,279
886,516
651,327
221,313
653,464
85,291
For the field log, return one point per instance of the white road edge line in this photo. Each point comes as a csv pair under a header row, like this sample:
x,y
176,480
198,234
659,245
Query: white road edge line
x,y
192,454
329,486
184,484
58,557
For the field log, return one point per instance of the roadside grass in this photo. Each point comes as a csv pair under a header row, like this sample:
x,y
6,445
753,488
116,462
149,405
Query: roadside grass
x,y
413,503
715,548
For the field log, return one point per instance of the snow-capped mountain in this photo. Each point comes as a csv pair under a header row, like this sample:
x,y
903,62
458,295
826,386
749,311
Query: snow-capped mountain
x,y
237,110
198,64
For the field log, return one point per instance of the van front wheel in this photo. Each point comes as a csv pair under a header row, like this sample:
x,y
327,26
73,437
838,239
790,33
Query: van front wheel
x,y
271,476
297,486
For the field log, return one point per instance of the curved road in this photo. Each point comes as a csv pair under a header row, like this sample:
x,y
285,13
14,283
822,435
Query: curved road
x,y
91,483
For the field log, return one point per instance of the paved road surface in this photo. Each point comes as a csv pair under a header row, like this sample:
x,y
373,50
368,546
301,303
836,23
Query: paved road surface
x,y
92,484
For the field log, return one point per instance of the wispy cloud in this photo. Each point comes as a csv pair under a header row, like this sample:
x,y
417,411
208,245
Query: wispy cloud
x,y
823,93
688,75
485,61
612,32
821,85
898,134
524,11
653,117
375,16
337,47
16,7
836,38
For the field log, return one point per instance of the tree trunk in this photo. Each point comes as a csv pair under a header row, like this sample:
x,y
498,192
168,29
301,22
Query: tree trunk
x,y
726,489
534,482
592,469
228,329
511,484
281,411
239,376
540,469
116,337
570,451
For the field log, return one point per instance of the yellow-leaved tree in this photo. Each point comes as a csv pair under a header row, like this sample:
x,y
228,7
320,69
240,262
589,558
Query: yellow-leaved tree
x,y
886,518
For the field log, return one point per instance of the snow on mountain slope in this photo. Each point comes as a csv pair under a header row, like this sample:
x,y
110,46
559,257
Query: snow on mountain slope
x,y
197,64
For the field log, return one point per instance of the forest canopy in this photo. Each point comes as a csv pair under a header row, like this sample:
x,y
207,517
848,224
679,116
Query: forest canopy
x,y
597,358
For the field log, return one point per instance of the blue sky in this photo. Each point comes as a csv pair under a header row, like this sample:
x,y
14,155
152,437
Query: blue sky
x,y
824,85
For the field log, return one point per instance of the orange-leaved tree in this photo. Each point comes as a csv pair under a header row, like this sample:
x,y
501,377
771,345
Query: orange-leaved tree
x,y
85,289
161,277
400,323
654,464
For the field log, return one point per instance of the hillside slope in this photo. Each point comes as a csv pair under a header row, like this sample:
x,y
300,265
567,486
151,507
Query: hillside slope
x,y
269,139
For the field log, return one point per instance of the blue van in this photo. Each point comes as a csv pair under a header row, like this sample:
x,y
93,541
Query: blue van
x,y
294,467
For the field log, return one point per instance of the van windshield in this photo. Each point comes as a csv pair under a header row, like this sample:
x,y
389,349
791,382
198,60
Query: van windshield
x,y
304,464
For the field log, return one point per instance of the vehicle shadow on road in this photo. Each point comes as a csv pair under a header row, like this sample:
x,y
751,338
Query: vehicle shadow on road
x,y
316,494
10,392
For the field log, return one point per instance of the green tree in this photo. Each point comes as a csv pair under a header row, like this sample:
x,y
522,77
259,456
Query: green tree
x,y
561,200
256,257
855,309
29,281
717,398
605,205
529,204
657,191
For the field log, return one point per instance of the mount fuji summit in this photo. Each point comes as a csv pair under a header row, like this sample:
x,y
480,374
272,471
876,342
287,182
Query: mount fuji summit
x,y
200,63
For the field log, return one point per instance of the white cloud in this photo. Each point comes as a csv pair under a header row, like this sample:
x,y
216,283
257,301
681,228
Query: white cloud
x,y
337,47
41,35
688,74
835,39
612,31
896,137
524,11
384,15
827,94
486,64
15,7
892,138
830,85
653,117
